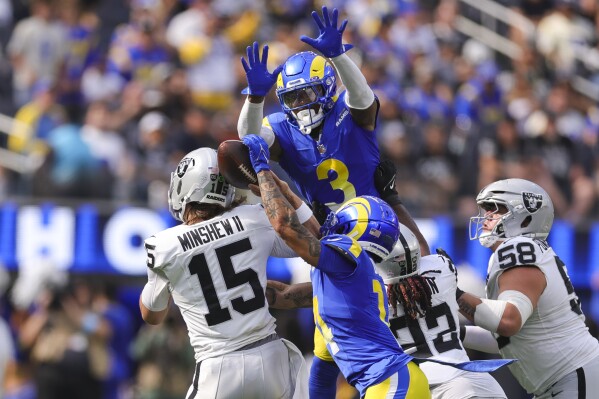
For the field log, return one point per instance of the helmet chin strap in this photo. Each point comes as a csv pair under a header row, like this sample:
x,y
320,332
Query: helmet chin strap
x,y
488,241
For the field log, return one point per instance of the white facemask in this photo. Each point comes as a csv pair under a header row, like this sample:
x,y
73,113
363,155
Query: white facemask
x,y
308,119
487,241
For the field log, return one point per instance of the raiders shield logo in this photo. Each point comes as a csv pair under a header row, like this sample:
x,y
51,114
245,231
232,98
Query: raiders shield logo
x,y
532,201
183,165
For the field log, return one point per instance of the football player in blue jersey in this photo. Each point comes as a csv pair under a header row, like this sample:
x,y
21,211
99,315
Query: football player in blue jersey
x,y
349,299
324,140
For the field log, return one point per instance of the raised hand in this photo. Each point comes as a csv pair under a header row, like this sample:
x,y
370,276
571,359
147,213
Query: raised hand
x,y
259,153
329,41
260,81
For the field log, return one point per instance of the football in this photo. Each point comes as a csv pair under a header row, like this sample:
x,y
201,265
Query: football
x,y
235,165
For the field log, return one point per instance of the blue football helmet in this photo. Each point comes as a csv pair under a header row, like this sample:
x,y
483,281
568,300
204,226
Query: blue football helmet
x,y
368,220
306,88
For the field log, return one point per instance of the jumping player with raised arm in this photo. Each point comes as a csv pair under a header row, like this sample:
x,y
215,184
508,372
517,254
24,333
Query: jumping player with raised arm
x,y
324,140
349,302
213,265
531,306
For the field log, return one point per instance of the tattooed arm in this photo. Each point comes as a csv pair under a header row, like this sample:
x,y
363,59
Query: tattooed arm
x,y
283,218
467,303
285,296
311,224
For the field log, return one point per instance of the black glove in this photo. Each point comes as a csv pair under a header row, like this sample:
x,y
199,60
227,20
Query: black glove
x,y
320,211
384,182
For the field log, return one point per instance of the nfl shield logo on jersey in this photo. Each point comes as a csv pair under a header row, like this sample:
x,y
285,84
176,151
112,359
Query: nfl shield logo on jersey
x,y
532,201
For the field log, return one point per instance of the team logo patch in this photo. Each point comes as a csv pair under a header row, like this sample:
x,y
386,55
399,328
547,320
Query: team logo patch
x,y
183,165
532,201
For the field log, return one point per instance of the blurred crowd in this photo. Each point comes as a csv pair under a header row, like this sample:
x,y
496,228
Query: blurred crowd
x,y
107,95
76,337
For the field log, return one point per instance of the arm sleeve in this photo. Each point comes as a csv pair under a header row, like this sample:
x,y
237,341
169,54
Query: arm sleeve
x,y
250,122
323,379
359,95
155,294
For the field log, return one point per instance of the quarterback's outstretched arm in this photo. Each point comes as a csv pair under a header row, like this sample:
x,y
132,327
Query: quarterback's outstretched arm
x,y
519,291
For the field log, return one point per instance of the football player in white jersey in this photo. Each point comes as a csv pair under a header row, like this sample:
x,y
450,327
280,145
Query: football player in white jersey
x,y
531,306
425,319
213,265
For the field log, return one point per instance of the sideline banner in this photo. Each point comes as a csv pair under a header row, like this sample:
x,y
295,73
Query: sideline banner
x,y
85,239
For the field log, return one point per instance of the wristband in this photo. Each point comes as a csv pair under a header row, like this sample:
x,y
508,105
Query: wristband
x,y
304,213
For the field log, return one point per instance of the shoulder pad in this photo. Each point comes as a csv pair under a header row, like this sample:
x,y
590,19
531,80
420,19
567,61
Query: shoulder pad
x,y
345,246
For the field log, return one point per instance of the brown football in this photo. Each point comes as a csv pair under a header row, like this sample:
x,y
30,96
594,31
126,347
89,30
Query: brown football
x,y
235,165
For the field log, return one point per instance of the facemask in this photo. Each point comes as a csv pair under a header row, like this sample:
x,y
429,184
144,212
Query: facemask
x,y
308,119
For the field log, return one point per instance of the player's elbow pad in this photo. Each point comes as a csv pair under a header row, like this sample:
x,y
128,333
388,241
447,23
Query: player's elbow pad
x,y
488,313
520,301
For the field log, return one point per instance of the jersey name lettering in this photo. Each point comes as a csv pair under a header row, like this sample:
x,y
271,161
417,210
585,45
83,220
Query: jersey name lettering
x,y
209,232
341,117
